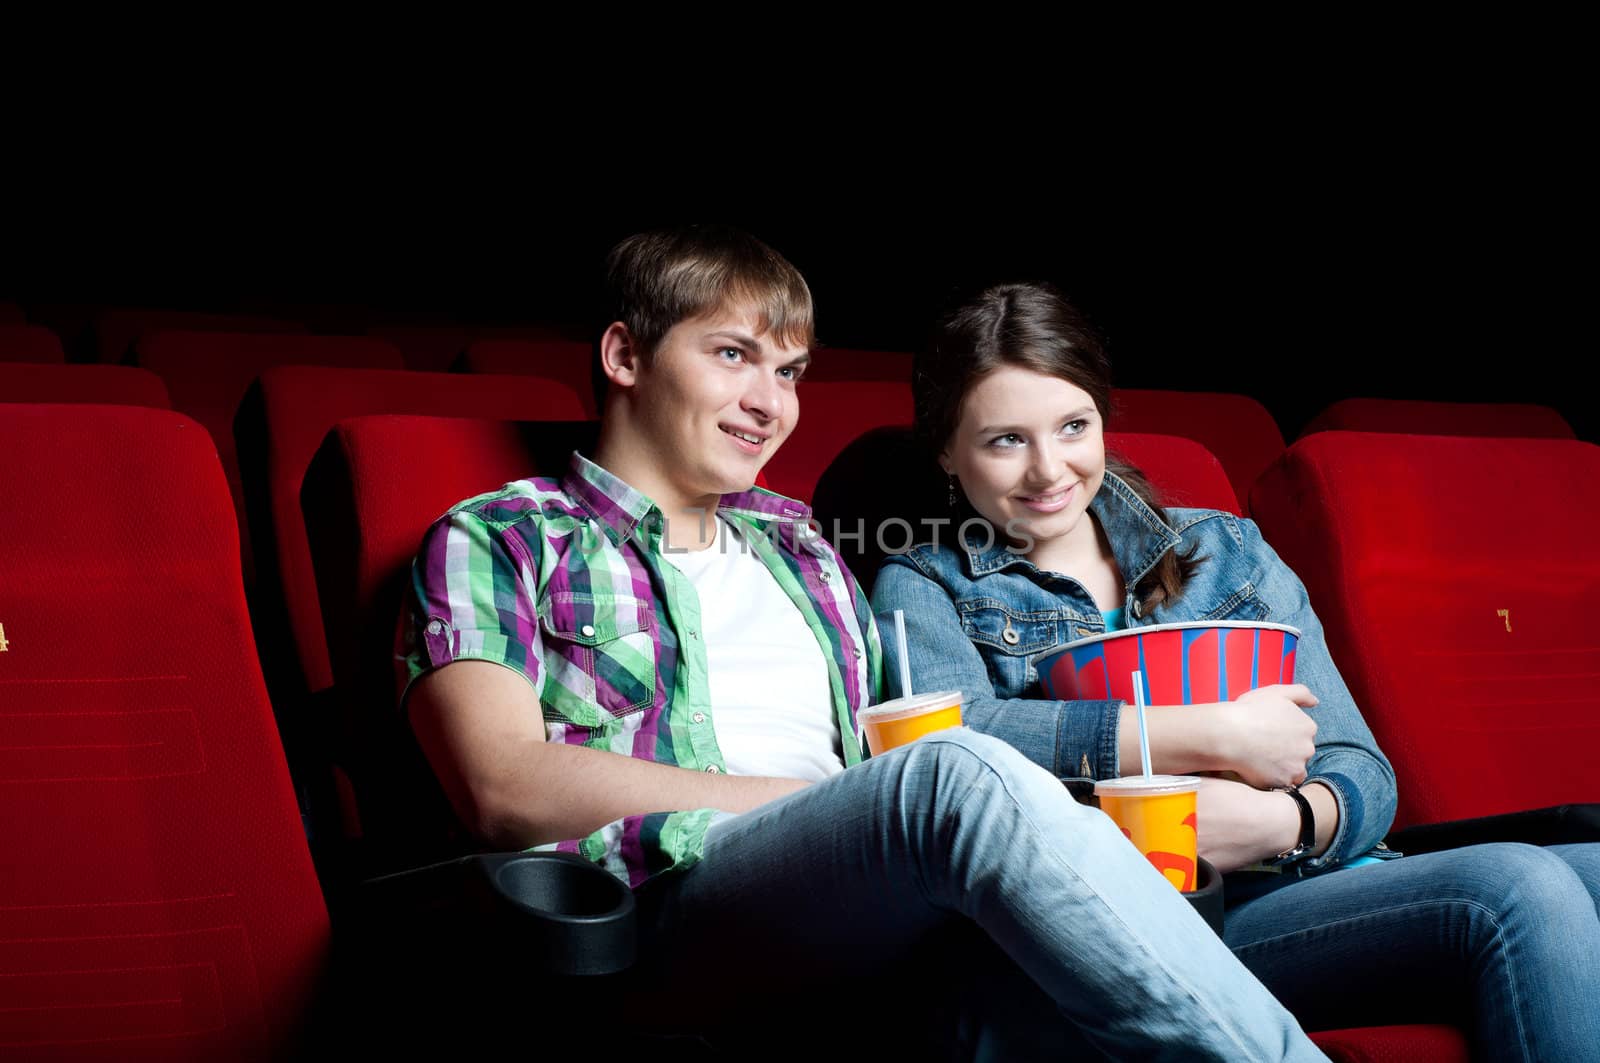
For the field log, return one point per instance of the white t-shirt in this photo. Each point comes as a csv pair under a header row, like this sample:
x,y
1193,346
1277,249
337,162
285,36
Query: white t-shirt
x,y
770,701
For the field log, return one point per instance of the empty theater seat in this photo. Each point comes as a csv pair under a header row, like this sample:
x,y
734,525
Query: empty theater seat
x,y
157,900
281,423
118,331
206,374
1456,579
552,358
879,491
832,413
29,343
1236,428
115,385
1418,417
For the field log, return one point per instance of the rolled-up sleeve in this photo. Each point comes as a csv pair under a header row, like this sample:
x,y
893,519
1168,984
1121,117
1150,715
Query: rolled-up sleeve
x,y
470,598
1072,739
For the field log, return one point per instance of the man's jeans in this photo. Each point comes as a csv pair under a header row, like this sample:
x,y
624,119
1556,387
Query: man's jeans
x,y
861,868
1502,939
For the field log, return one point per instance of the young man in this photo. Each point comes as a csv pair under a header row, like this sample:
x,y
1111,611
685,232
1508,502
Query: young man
x,y
651,664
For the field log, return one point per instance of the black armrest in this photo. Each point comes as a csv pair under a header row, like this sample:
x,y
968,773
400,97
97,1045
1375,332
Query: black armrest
x,y
558,914
1556,825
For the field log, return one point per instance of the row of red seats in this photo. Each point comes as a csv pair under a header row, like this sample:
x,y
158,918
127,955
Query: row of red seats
x,y
189,923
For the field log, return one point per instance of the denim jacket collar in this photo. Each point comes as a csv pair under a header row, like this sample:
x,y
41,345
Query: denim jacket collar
x,y
1138,535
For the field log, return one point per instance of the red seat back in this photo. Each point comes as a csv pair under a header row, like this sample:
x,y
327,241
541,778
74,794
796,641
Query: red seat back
x,y
843,363
206,374
29,343
1236,428
568,361
831,415
114,385
282,422
374,487
118,331
1456,578
157,900
11,314
1417,417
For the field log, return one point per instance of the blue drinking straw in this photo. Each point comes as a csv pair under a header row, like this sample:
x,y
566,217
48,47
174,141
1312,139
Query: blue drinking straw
x,y
1144,734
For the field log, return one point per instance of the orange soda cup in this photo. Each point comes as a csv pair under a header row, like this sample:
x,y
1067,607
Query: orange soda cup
x,y
902,720
1157,814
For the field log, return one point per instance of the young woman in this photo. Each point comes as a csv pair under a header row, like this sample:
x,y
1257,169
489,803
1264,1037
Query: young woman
x,y
1054,541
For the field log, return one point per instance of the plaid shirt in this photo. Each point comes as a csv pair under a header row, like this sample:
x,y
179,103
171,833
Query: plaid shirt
x,y
564,581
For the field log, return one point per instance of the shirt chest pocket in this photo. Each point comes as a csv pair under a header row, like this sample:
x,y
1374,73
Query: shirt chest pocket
x,y
599,650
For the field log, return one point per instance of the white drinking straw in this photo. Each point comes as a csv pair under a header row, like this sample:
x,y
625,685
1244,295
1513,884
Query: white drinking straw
x,y
905,660
1144,734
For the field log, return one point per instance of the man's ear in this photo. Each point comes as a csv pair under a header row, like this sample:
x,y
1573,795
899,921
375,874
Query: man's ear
x,y
619,358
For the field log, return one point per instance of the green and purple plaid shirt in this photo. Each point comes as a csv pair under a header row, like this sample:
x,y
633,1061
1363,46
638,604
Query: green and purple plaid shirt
x,y
564,581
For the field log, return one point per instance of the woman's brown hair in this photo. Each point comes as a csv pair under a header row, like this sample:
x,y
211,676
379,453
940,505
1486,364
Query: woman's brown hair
x,y
1031,326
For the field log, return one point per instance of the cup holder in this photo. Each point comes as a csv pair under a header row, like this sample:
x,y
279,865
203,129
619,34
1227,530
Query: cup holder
x,y
1207,895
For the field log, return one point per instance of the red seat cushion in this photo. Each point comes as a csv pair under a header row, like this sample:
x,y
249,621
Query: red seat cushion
x,y
1417,417
29,343
1456,578
1395,1044
552,358
283,421
1236,428
117,385
157,900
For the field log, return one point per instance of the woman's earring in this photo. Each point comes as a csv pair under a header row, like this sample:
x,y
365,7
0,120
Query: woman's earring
x,y
952,490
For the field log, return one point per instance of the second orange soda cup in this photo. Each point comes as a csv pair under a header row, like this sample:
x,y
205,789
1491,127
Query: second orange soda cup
x,y
1157,813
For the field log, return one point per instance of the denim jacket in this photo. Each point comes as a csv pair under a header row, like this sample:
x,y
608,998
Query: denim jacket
x,y
960,602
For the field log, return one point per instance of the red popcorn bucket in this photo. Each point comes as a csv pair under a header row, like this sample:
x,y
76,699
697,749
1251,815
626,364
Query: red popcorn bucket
x,y
1183,664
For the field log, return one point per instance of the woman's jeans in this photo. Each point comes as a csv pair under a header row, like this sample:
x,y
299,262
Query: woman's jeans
x,y
853,874
1503,940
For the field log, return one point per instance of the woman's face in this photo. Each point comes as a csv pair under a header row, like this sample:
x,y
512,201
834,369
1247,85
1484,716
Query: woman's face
x,y
1030,454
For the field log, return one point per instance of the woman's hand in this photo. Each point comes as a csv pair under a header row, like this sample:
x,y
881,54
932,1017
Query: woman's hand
x,y
1240,825
1266,737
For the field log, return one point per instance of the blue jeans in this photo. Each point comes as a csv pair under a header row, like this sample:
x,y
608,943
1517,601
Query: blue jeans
x,y
961,831
1503,940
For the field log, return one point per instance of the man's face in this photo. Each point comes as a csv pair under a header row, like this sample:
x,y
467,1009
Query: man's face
x,y
716,400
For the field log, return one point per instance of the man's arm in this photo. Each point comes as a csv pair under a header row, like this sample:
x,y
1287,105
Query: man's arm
x,y
482,730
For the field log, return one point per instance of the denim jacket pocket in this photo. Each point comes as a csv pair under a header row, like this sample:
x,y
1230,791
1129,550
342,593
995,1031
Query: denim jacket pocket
x,y
610,641
1243,604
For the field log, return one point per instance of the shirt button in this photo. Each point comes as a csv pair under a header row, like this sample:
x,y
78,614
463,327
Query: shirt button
x,y
858,653
825,575
712,769
588,631
435,626
693,633
698,717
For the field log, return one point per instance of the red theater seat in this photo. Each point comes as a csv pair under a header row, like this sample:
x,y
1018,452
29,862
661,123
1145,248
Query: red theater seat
x,y
1236,428
1416,417
157,900
115,385
843,363
553,358
1456,579
11,314
207,373
30,343
831,415
1395,1044
435,348
118,331
282,422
